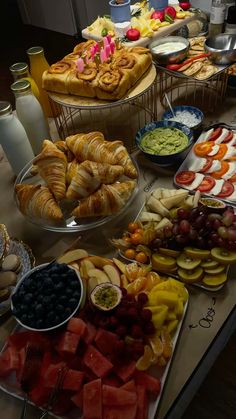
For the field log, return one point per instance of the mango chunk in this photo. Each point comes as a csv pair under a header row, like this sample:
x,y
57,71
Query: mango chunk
x,y
163,297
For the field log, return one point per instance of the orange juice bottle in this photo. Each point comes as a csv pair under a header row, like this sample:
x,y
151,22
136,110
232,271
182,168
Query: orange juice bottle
x,y
21,71
38,64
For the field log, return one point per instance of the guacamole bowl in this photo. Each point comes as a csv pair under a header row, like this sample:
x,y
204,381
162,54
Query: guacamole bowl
x,y
165,143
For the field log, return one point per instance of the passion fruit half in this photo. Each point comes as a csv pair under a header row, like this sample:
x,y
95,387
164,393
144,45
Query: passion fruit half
x,y
106,296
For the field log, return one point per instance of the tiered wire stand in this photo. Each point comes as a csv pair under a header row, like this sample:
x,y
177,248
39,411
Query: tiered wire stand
x,y
145,103
207,95
117,120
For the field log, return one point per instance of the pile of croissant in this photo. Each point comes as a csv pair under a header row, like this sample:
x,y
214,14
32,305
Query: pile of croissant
x,y
94,175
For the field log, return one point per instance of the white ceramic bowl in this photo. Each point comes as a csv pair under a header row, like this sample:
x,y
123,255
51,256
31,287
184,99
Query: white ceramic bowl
x,y
36,299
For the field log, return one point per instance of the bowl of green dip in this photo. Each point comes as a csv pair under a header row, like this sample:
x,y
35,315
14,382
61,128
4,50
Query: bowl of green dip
x,y
165,142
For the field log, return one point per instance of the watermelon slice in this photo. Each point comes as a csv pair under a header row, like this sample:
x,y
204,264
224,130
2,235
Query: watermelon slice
x,y
77,326
9,361
152,384
92,400
129,386
120,412
98,364
73,380
68,343
106,341
77,399
126,371
142,403
113,396
90,333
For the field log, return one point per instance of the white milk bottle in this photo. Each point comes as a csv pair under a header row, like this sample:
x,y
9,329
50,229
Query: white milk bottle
x,y
30,113
13,139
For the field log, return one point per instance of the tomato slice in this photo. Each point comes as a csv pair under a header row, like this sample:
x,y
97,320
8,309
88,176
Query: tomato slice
x,y
216,133
222,151
207,166
228,137
185,177
202,149
219,173
227,189
207,184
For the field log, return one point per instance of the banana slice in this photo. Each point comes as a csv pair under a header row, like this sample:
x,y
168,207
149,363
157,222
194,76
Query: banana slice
x,y
206,72
195,67
197,47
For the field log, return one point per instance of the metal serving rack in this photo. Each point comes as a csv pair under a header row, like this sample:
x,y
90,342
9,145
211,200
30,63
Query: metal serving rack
x,y
117,120
183,90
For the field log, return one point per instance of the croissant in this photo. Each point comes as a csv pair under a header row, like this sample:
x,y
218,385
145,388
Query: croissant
x,y
72,170
91,146
61,145
36,201
90,176
52,164
122,156
107,200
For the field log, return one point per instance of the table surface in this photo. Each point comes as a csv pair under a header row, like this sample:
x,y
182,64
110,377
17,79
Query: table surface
x,y
207,311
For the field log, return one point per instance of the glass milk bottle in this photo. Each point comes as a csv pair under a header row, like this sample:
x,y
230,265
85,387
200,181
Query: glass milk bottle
x,y
30,113
21,71
13,139
217,17
38,64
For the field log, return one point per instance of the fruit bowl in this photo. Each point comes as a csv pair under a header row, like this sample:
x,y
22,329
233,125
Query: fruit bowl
x,y
47,296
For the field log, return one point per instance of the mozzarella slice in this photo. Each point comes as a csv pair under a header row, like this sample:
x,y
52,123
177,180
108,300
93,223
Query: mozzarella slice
x,y
197,164
222,136
233,141
217,188
216,165
232,197
214,150
205,135
196,182
230,172
230,152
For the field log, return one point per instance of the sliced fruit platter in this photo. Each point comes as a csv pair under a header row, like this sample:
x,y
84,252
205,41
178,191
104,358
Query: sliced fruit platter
x,y
114,353
184,236
210,167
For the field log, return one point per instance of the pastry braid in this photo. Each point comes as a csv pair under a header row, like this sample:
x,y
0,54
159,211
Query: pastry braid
x,y
90,176
91,146
52,164
36,201
107,200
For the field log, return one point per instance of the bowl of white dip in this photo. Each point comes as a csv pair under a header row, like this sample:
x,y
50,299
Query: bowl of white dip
x,y
169,50
188,115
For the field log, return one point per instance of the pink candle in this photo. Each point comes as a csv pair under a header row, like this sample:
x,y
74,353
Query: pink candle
x,y
109,39
93,52
112,46
80,65
103,55
108,51
105,42
96,46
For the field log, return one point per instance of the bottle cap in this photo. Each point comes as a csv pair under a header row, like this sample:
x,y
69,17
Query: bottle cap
x,y
34,50
20,86
19,68
231,18
5,107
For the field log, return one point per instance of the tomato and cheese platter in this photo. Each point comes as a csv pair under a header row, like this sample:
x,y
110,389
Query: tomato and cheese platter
x,y
121,352
183,235
210,167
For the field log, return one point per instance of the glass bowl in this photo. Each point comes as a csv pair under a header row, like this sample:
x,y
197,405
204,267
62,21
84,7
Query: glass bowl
x,y
70,224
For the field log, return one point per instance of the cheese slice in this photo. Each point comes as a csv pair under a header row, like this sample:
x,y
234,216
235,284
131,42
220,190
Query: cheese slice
x,y
230,172
217,188
230,153
222,136
216,165
196,182
197,164
214,150
205,135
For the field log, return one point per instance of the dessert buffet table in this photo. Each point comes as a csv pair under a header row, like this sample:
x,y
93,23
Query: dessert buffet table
x,y
210,315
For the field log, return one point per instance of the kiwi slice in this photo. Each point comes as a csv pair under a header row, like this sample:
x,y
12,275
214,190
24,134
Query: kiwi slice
x,y
216,270
169,252
214,280
164,263
193,252
186,262
209,264
190,276
223,256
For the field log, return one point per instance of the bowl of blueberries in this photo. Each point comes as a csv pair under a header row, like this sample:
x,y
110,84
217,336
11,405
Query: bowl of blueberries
x,y
47,296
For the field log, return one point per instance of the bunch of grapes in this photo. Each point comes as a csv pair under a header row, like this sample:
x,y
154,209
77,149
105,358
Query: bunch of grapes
x,y
199,227
130,321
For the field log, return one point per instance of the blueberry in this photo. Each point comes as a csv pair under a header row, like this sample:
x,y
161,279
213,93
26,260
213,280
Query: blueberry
x,y
39,324
39,309
72,303
40,298
47,291
59,308
48,283
77,295
55,278
63,300
28,298
68,311
63,268
23,308
54,298
69,291
15,312
74,284
50,316
24,318
56,320
46,300
15,298
59,286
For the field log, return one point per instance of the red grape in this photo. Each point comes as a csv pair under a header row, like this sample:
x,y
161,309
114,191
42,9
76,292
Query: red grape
x,y
231,234
228,218
223,232
142,298
136,331
175,229
183,213
184,226
167,231
121,330
146,314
